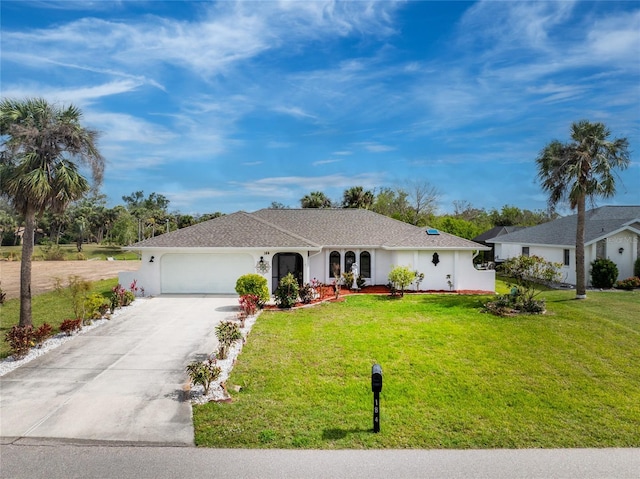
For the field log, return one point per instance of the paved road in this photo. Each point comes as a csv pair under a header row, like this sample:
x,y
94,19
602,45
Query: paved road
x,y
123,381
54,461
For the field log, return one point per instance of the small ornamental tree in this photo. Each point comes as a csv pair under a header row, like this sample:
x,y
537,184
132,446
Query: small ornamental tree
x,y
526,274
400,277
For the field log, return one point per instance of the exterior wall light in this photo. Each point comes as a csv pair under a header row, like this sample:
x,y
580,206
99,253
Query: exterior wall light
x,y
151,259
262,266
620,250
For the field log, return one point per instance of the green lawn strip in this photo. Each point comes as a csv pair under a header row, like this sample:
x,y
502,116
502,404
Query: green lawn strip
x,y
52,308
453,377
89,251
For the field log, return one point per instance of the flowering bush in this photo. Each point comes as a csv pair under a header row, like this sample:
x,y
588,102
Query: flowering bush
x,y
121,297
628,284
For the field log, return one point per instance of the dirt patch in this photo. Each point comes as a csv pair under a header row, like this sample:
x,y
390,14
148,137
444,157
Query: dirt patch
x,y
44,273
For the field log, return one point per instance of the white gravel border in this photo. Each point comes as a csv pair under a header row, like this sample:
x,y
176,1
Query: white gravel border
x,y
9,364
216,391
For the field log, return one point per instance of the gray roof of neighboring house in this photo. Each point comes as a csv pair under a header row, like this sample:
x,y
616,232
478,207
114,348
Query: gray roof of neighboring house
x,y
599,223
497,231
307,228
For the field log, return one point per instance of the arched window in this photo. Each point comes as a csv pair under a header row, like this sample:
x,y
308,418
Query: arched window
x,y
349,259
334,263
365,264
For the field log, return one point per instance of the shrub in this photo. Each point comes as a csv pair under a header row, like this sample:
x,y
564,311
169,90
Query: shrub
x,y
307,293
21,339
52,252
400,277
3,297
78,289
347,279
69,326
227,333
95,306
120,297
525,273
204,373
128,298
628,284
361,282
287,292
254,284
636,268
604,273
44,332
249,304
500,306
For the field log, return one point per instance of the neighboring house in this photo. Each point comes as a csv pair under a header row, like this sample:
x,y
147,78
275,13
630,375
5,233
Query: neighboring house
x,y
610,232
493,233
209,257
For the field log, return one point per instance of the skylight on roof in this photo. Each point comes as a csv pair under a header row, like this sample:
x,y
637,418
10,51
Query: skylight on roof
x,y
433,231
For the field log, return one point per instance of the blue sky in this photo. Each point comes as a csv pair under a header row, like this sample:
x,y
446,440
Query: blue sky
x,y
222,106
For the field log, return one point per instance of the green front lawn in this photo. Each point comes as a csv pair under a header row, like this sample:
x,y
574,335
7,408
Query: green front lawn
x,y
453,376
52,308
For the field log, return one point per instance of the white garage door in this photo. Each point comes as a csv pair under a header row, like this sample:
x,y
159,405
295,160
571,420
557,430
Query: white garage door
x,y
203,273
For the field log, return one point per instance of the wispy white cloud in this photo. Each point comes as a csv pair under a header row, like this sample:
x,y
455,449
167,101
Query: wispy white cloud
x,y
375,147
293,111
325,162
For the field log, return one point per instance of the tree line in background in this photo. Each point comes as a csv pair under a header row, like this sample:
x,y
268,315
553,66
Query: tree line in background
x,y
141,216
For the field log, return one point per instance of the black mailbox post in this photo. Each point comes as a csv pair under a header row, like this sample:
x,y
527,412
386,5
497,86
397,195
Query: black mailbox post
x,y
376,387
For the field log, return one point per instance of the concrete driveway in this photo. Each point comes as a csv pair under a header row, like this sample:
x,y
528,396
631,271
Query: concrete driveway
x,y
124,381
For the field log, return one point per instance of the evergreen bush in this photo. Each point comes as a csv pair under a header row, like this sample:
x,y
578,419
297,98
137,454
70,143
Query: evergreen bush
x,y
254,284
604,273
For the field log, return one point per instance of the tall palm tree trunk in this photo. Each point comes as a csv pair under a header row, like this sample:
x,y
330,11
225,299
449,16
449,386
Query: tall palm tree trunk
x,y
581,284
25,268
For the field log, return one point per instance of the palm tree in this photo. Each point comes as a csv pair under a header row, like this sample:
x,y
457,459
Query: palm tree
x,y
357,197
315,199
581,169
37,169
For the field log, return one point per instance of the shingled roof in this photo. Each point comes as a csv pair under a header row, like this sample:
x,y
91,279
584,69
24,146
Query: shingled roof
x,y
309,229
599,223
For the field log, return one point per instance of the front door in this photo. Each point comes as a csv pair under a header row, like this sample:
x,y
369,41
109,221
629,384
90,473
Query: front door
x,y
283,264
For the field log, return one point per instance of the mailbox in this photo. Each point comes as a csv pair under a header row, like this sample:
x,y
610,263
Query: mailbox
x,y
376,378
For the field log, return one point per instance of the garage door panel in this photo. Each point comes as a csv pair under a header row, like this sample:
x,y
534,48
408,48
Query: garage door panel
x,y
203,273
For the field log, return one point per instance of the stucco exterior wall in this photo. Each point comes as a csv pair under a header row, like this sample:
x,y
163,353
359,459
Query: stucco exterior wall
x,y
457,264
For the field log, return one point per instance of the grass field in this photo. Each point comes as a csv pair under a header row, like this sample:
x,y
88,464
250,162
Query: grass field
x,y
89,251
453,377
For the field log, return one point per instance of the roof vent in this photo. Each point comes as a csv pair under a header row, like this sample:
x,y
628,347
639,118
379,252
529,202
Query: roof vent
x,y
432,232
